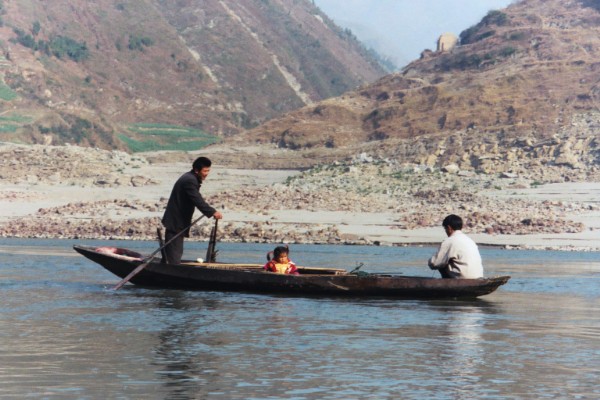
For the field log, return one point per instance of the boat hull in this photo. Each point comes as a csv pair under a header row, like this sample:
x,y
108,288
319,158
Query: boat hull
x,y
251,278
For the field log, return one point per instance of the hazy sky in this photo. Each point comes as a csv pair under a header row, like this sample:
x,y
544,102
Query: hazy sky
x,y
402,29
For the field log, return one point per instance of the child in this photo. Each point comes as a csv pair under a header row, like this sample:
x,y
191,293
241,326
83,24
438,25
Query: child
x,y
280,263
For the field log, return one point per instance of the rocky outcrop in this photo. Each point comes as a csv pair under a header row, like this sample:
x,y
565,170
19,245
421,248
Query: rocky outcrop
x,y
573,154
69,165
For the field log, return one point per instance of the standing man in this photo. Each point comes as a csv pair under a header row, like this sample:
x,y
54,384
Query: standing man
x,y
458,255
185,198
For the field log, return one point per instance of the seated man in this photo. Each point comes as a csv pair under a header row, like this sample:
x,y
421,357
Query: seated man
x,y
458,255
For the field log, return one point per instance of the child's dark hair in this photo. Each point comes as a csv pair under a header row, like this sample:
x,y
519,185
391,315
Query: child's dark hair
x,y
279,250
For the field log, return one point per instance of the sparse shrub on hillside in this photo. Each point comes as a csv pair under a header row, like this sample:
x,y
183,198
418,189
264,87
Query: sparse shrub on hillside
x,y
516,36
377,136
77,132
62,46
460,61
80,131
477,33
495,17
375,117
59,47
464,61
139,42
24,39
507,51
466,36
318,110
383,96
472,35
35,29
484,35
43,46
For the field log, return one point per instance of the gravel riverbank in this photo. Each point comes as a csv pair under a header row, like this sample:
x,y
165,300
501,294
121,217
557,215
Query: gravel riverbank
x,y
70,192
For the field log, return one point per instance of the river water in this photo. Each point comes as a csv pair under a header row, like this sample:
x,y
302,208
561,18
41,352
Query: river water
x,y
65,335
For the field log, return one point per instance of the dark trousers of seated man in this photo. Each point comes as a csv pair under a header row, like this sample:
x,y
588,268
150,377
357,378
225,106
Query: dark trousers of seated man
x,y
445,272
174,250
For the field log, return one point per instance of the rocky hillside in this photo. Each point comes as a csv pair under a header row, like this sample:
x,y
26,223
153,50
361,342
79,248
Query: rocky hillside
x,y
519,93
81,72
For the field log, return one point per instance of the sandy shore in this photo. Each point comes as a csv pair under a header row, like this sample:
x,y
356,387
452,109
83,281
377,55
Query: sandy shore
x,y
25,198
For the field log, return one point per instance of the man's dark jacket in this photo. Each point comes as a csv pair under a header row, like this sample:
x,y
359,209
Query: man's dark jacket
x,y
185,197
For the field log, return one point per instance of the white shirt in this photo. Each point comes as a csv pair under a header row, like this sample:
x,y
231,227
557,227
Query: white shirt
x,y
460,254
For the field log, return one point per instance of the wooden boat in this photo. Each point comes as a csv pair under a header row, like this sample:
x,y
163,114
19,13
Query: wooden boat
x,y
310,281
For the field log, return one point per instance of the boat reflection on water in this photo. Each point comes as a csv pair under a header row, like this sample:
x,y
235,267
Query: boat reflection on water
x,y
463,353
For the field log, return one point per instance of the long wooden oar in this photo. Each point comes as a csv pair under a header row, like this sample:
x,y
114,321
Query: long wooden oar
x,y
151,257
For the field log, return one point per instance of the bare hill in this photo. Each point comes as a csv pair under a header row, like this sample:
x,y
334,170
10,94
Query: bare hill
x,y
520,92
80,71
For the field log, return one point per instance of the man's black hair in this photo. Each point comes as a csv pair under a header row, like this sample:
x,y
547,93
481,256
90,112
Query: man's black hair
x,y
201,162
453,221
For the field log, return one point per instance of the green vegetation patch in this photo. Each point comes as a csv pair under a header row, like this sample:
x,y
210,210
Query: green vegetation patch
x,y
11,122
62,46
59,46
139,42
6,93
143,137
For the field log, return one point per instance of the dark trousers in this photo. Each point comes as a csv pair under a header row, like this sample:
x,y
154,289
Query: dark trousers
x,y
174,250
445,272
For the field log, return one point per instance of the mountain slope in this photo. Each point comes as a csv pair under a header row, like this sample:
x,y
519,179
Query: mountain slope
x,y
525,78
211,64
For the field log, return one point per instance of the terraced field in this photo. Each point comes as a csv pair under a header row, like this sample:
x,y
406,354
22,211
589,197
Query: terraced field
x,y
142,137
